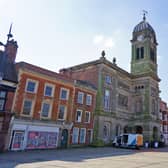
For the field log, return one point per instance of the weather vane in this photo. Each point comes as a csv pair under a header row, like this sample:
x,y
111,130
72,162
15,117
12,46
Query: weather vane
x,y
9,35
144,14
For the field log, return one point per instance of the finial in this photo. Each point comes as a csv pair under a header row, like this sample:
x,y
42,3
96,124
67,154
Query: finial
x,y
103,53
9,35
144,14
114,60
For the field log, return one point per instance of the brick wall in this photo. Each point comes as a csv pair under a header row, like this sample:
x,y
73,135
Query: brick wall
x,y
9,102
86,74
39,95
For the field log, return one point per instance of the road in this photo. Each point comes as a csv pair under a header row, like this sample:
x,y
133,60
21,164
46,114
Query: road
x,y
106,157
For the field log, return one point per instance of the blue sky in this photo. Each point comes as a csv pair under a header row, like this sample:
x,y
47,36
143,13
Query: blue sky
x,y
60,33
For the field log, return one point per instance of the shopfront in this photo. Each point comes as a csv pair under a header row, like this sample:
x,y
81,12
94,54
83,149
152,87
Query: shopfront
x,y
26,136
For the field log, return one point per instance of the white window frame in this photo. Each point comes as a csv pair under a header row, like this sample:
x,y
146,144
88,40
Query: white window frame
x,y
52,92
88,103
31,110
82,141
78,100
50,109
75,135
35,88
67,95
65,112
89,116
79,119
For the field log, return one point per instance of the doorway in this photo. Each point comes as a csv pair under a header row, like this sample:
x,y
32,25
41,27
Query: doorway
x,y
17,140
64,138
138,129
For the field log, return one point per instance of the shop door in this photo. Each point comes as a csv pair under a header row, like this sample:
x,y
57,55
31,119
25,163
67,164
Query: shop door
x,y
89,137
64,138
17,142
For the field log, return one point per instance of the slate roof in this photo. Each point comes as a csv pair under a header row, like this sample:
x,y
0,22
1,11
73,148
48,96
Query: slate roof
x,y
7,69
143,25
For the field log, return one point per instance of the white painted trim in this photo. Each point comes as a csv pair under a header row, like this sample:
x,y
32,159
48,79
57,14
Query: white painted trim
x,y
32,108
53,89
78,97
84,136
89,116
76,115
90,103
36,85
50,109
67,95
65,112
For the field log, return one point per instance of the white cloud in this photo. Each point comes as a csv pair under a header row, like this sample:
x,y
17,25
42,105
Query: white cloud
x,y
104,42
109,43
98,39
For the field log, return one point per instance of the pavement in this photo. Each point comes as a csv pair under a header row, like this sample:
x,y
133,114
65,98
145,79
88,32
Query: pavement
x,y
105,157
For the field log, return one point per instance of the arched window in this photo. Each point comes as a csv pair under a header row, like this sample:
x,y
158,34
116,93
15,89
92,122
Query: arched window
x,y
139,53
105,131
152,54
142,52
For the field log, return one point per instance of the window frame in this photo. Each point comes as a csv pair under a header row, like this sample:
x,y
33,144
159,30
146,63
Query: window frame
x,y
67,95
88,103
78,100
78,110
65,111
49,111
52,91
84,138
140,53
108,79
107,99
89,117
3,99
75,136
35,87
31,108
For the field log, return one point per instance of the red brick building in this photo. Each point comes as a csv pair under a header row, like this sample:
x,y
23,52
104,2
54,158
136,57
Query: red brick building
x,y
164,121
45,112
83,117
8,82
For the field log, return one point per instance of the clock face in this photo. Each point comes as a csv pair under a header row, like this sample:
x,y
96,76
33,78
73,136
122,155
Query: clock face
x,y
140,37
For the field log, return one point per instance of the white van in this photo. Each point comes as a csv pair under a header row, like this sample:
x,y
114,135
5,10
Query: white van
x,y
128,141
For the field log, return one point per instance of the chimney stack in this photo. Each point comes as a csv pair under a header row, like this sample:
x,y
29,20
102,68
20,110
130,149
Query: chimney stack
x,y
11,50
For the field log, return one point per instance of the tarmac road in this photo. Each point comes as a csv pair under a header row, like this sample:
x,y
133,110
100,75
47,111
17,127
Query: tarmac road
x,y
106,157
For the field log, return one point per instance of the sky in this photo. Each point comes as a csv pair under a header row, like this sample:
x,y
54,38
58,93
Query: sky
x,y
56,34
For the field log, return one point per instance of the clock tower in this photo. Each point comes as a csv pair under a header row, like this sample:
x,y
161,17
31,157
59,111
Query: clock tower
x,y
145,80
144,49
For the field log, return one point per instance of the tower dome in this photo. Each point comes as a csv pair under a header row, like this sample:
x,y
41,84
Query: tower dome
x,y
144,29
142,26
